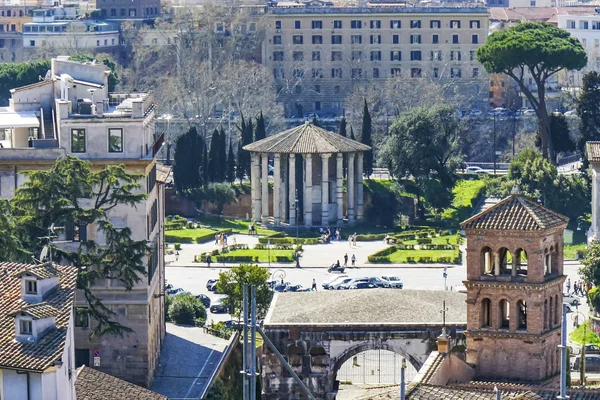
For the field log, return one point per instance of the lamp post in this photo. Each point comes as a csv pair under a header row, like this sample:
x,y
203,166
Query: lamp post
x,y
582,353
402,380
563,354
296,203
494,147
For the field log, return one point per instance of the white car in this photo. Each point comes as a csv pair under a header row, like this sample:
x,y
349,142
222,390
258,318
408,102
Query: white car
x,y
336,279
571,113
342,284
394,281
528,112
474,170
571,299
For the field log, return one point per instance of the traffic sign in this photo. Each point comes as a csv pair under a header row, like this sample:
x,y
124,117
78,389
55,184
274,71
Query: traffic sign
x,y
96,353
96,361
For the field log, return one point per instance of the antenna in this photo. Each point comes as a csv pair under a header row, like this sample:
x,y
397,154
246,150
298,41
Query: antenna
x,y
43,254
47,249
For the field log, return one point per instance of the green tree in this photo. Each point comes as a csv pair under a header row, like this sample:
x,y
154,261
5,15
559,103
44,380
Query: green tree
x,y
315,120
72,195
204,163
189,161
561,137
261,132
537,50
230,173
185,309
591,264
365,138
11,247
222,157
343,126
213,161
535,175
588,109
425,143
231,284
218,193
22,74
244,160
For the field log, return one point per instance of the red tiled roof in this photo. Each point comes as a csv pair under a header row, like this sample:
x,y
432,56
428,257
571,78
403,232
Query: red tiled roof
x,y
92,384
36,356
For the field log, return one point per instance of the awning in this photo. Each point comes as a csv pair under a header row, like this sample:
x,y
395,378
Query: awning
x,y
19,120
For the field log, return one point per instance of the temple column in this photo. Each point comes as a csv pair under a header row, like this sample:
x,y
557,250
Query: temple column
x,y
276,189
308,190
339,193
359,186
283,190
350,181
594,231
265,187
325,189
292,194
496,263
255,185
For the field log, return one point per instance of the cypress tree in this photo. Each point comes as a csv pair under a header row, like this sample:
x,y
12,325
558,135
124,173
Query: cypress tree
x,y
239,173
222,157
204,173
352,133
247,140
261,132
188,159
366,139
315,121
213,161
230,172
342,130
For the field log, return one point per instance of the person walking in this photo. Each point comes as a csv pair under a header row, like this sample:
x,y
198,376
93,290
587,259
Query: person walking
x,y
177,256
216,239
350,240
354,239
208,260
314,285
568,285
353,261
346,260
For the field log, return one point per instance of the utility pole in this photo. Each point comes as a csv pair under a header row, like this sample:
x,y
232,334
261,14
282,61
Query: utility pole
x,y
494,145
563,356
253,343
402,380
244,370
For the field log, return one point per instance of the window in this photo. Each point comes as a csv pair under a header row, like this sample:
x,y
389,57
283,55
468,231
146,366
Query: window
x,y
472,55
415,72
375,39
596,25
356,73
415,55
316,56
376,56
336,56
277,24
455,24
570,24
298,39
474,24
475,72
455,56
415,24
297,25
375,72
278,56
278,73
317,24
356,24
337,105
317,73
336,73
132,12
415,39
435,39
77,140
583,25
317,106
298,73
436,55
317,39
455,39
79,233
435,24
317,88
31,287
436,72
396,55
356,39
115,140
396,39
375,24
82,357
474,39
336,89
32,43
455,72
395,24
81,317
336,39
277,39
486,315
123,12
337,24
25,327
113,12
504,312
356,55
395,71
522,309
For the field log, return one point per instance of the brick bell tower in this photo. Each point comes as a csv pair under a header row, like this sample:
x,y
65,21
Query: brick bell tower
x,y
514,290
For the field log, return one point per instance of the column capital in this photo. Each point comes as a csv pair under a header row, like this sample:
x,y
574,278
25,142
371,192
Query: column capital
x,y
340,155
277,155
325,155
351,155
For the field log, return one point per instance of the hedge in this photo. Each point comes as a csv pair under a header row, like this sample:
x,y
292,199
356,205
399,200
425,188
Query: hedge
x,y
211,236
229,258
424,241
371,237
283,259
287,240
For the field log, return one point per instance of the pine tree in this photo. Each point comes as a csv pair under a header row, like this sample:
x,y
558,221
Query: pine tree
x,y
366,139
230,171
261,132
343,126
213,161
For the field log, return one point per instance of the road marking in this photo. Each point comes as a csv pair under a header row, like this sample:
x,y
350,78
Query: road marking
x,y
199,373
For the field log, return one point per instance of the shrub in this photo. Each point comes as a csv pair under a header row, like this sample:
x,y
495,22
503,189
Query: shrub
x,y
594,297
173,237
287,240
276,235
185,309
423,240
370,237
284,259
177,246
237,258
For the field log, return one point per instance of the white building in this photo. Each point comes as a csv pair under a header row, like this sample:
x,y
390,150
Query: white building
x,y
586,28
72,112
36,332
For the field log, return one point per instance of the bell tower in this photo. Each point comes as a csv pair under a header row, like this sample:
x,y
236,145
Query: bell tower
x,y
514,290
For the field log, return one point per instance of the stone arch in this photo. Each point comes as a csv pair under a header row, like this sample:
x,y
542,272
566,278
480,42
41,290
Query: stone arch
x,y
319,360
503,313
521,314
486,260
295,354
547,261
506,257
520,262
486,313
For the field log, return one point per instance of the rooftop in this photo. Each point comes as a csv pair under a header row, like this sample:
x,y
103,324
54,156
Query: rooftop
x,y
377,9
593,151
547,14
372,306
516,213
306,139
95,385
42,354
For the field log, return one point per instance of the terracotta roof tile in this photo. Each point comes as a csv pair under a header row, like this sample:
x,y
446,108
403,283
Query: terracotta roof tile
x,y
306,139
41,271
92,384
455,392
162,172
592,150
36,356
516,213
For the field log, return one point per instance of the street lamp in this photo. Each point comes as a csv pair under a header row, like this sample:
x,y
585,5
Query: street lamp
x,y
296,203
582,353
403,380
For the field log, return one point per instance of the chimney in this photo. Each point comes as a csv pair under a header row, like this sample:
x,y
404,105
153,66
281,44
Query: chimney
x,y
444,342
100,108
63,109
137,110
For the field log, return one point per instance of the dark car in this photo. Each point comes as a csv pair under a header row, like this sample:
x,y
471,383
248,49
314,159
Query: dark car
x,y
296,288
210,283
362,285
592,363
204,299
379,282
174,291
231,324
219,307
281,287
213,288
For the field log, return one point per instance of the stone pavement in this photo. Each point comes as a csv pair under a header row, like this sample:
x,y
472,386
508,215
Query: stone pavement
x,y
314,256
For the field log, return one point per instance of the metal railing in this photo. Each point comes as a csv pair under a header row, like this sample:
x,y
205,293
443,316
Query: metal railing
x,y
379,10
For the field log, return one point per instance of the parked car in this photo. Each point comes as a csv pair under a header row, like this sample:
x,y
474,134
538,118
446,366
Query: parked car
x,y
218,307
592,363
394,281
231,324
210,283
168,286
343,282
571,113
281,287
362,285
204,299
327,284
499,111
174,291
528,112
296,288
352,282
589,349
474,170
571,299
377,281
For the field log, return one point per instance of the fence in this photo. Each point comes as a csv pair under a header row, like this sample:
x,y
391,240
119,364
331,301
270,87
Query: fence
x,y
233,341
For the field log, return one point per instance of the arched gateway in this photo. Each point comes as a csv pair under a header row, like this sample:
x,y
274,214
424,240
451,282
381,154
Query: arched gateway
x,y
308,164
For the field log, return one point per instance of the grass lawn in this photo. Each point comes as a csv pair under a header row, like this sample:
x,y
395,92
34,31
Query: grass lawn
x,y
570,249
590,337
400,256
263,255
464,192
191,233
435,240
237,225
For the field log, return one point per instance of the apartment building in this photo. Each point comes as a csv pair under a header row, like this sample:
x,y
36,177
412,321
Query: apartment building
x,y
317,54
586,28
71,112
129,9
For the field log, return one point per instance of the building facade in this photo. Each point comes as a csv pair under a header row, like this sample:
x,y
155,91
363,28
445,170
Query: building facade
x,y
317,54
129,9
72,112
514,290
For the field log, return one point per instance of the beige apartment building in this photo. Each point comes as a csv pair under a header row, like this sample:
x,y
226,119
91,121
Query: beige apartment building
x,y
317,54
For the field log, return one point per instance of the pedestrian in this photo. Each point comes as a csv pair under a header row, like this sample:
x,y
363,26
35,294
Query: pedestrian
x,y
208,260
568,285
354,239
350,240
314,285
346,260
575,287
353,261
216,239
225,239
177,255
